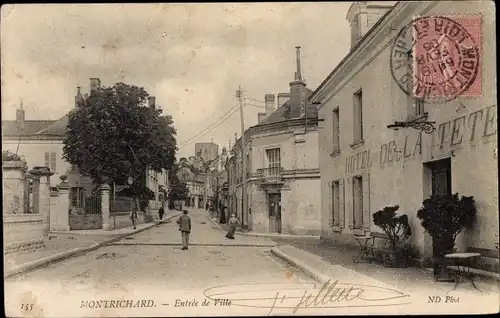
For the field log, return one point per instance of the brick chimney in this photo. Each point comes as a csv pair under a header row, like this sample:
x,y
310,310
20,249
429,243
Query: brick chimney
x,y
270,104
152,101
261,117
363,15
95,83
20,115
78,96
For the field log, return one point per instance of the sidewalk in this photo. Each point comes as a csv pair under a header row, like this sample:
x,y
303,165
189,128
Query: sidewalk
x,y
61,245
324,261
225,228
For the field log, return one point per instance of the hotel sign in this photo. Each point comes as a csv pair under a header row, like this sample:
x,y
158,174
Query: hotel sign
x,y
454,132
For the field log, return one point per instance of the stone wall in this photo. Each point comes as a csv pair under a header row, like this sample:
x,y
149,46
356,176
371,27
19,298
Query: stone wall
x,y
21,229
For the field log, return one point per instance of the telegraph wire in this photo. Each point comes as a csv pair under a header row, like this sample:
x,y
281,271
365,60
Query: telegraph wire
x,y
255,100
212,126
259,106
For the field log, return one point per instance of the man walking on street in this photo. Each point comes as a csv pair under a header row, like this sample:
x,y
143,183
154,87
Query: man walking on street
x,y
184,222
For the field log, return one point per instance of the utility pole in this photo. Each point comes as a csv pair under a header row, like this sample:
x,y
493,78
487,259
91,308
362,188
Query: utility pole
x,y
244,212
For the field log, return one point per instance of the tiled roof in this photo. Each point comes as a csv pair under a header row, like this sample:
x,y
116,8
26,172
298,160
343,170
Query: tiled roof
x,y
34,128
31,127
58,127
291,110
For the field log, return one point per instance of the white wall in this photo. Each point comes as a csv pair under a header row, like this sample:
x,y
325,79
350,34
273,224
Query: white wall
x,y
402,180
34,153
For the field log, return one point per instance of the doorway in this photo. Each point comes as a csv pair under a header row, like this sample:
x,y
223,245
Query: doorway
x,y
440,185
275,213
441,177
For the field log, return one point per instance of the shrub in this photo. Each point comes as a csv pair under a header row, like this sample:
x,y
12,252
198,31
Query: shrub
x,y
8,155
396,227
444,217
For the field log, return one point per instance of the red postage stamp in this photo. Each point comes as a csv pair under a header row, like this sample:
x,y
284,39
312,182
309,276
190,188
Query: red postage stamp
x,y
443,57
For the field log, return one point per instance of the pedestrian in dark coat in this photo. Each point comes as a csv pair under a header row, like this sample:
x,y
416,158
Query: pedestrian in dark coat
x,y
184,222
161,212
134,217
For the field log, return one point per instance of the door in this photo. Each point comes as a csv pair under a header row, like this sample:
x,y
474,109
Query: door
x,y
275,213
440,185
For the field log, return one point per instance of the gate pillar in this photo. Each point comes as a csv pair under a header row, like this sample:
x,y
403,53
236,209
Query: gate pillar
x,y
105,189
59,212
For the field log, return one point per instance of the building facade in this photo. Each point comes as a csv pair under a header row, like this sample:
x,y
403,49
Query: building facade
x,y
365,166
195,182
282,168
216,177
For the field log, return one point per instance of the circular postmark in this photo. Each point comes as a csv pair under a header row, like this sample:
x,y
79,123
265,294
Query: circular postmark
x,y
434,59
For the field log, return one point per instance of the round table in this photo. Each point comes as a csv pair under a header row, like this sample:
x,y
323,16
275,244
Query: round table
x,y
463,262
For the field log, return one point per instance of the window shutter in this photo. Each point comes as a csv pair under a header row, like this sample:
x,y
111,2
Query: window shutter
x,y
47,159
341,203
349,193
366,202
330,203
53,162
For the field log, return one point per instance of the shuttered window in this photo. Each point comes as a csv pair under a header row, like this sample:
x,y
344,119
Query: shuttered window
x,y
357,189
358,116
336,130
335,203
50,161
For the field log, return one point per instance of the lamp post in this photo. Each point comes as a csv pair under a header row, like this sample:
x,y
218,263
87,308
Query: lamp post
x,y
130,182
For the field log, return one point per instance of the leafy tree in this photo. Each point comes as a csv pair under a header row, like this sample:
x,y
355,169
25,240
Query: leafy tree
x,y
113,135
179,191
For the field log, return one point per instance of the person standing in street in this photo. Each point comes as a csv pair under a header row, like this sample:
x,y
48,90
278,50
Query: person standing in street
x,y
184,222
161,212
233,223
134,217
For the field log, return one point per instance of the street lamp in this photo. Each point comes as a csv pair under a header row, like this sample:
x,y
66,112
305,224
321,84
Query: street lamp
x,y
130,180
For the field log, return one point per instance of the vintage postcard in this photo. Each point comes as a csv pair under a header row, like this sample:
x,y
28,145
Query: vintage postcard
x,y
250,159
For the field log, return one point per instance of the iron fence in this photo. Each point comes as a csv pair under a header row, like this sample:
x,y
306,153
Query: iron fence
x,y
93,204
121,204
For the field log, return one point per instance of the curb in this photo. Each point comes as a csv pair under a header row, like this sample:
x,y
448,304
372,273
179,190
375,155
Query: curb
x,y
282,236
29,266
195,244
309,270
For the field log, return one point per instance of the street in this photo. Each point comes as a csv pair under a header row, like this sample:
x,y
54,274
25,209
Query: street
x,y
147,274
151,265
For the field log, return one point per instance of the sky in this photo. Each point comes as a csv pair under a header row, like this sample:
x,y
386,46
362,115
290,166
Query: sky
x,y
192,57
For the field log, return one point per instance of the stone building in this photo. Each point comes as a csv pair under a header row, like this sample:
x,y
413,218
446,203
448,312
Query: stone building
x,y
208,151
366,166
283,181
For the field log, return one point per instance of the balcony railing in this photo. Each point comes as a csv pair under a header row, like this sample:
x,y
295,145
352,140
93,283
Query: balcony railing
x,y
271,175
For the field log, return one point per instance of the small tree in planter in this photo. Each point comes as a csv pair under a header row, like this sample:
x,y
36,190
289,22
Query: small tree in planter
x,y
397,229
444,217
